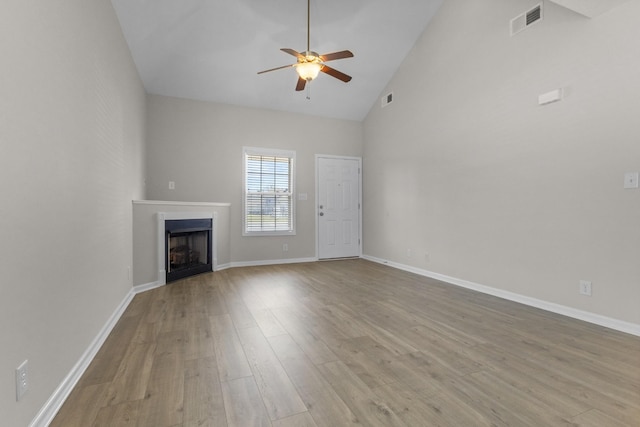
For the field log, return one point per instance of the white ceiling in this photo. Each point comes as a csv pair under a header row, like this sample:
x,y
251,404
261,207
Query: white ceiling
x,y
590,8
211,50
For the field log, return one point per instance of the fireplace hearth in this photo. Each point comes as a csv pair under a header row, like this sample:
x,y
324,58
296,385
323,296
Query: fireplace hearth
x,y
187,247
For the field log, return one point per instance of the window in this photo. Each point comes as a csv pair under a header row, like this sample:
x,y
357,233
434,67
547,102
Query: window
x,y
268,192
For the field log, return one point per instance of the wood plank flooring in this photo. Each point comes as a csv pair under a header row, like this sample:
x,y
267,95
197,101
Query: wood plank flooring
x,y
345,343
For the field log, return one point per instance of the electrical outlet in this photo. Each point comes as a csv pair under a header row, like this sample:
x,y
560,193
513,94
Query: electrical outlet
x,y
427,257
172,185
409,253
585,287
285,248
22,380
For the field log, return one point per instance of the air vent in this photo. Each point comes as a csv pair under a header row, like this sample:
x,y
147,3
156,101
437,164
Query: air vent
x,y
387,99
534,15
528,18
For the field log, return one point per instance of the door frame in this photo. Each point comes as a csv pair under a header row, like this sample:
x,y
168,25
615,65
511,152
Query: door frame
x,y
316,202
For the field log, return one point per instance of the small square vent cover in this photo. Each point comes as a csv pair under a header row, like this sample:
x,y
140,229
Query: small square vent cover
x,y
527,19
387,99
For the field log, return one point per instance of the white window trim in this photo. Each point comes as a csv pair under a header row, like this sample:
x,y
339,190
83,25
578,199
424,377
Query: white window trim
x,y
268,152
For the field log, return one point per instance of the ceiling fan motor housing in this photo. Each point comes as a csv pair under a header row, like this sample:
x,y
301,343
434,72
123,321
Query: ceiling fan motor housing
x,y
309,56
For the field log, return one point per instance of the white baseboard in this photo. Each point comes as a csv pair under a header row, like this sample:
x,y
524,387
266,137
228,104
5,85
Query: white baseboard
x,y
272,262
608,322
221,267
53,405
146,287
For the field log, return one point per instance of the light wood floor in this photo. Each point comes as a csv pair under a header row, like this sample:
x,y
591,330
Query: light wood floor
x,y
350,343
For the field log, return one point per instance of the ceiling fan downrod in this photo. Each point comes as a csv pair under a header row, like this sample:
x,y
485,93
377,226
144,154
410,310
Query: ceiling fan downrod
x,y
308,25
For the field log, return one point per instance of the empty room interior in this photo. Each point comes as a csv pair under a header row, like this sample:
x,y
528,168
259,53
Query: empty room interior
x,y
320,213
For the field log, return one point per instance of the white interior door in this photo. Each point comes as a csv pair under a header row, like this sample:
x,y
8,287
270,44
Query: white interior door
x,y
338,207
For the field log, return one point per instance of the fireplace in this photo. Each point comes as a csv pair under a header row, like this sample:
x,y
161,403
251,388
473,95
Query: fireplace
x,y
187,247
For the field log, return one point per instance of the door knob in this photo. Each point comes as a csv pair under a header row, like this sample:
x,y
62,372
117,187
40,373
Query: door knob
x,y
321,213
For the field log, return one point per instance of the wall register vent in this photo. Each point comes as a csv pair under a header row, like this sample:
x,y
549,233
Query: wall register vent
x,y
387,99
527,19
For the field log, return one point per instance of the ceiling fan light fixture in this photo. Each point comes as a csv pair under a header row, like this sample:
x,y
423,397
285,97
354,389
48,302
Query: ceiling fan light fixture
x,y
308,70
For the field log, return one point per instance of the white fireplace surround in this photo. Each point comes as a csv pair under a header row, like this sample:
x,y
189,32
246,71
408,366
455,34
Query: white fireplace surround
x,y
164,216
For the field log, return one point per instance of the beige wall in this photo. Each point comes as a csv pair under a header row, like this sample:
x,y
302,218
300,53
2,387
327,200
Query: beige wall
x,y
198,145
72,138
467,167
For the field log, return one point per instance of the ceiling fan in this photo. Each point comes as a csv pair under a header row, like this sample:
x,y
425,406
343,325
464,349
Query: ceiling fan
x,y
310,63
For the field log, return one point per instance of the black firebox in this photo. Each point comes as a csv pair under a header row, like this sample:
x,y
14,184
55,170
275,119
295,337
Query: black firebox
x,y
187,247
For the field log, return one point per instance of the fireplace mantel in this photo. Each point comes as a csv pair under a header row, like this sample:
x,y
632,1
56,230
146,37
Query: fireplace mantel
x,y
166,203
149,216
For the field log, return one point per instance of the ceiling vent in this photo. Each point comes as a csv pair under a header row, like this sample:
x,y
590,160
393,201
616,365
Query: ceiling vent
x,y
527,19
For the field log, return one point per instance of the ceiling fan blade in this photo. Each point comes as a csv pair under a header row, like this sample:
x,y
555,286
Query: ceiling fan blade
x,y
301,83
335,73
336,55
292,52
277,68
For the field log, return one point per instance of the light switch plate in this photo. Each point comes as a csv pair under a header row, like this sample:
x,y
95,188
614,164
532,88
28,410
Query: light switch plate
x,y
631,180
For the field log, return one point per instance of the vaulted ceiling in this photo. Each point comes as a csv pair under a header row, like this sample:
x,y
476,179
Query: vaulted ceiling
x,y
212,49
590,8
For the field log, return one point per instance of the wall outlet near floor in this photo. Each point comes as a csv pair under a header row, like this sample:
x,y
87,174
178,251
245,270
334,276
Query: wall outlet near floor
x,y
285,248
22,379
172,185
409,253
585,287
